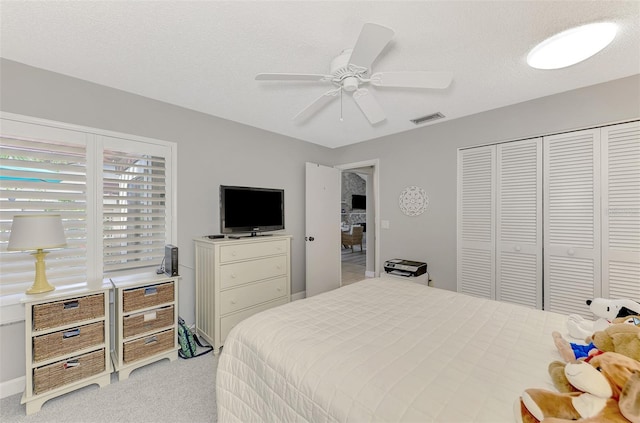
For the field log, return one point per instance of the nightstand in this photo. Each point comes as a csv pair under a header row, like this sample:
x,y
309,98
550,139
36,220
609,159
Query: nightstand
x,y
67,343
146,319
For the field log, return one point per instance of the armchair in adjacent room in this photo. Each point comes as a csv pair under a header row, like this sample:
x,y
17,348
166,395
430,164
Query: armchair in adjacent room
x,y
353,237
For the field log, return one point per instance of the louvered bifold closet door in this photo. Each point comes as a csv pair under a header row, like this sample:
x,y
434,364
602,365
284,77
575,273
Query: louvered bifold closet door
x,y
571,221
519,223
476,221
621,211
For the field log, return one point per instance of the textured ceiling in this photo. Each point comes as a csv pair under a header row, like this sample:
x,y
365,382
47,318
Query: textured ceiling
x,y
204,55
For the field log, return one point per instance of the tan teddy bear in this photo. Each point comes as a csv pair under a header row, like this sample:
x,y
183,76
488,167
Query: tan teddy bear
x,y
605,390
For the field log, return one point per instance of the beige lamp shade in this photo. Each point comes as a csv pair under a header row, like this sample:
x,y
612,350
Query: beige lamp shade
x,y
37,232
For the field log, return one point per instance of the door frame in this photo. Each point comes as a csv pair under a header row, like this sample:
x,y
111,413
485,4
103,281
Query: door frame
x,y
375,164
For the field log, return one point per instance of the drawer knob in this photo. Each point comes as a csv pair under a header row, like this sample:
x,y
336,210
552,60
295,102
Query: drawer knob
x,y
571,251
279,289
233,253
71,304
233,276
517,248
152,290
233,302
70,333
151,340
71,364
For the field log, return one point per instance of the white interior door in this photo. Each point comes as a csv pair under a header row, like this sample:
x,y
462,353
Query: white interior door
x,y
519,223
476,221
620,214
571,221
322,233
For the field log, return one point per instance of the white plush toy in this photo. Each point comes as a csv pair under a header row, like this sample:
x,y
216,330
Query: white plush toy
x,y
606,310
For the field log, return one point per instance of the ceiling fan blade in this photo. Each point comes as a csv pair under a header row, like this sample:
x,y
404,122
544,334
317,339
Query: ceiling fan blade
x,y
318,104
418,79
372,39
369,105
291,77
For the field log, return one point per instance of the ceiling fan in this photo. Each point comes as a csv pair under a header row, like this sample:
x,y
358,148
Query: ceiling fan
x,y
351,70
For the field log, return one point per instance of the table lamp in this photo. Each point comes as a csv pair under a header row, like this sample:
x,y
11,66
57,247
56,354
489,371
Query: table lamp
x,y
37,232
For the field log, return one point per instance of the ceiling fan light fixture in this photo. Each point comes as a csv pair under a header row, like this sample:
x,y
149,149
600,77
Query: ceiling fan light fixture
x,y
572,46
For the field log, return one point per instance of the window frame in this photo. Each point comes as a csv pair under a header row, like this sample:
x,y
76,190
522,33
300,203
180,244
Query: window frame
x,y
11,309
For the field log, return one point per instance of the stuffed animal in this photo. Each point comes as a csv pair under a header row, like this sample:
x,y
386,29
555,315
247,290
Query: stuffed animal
x,y
629,403
606,391
623,336
606,310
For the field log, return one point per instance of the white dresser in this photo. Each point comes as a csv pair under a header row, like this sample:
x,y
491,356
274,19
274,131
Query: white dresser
x,y
237,278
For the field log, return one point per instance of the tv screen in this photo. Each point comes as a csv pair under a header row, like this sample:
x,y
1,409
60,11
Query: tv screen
x,y
249,209
359,201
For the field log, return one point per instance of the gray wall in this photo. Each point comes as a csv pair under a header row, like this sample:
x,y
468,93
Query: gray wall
x,y
213,151
427,158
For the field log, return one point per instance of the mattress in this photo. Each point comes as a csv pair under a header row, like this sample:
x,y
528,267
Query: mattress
x,y
385,350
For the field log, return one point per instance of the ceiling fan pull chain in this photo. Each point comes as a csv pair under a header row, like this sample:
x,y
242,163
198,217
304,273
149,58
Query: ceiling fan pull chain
x,y
341,119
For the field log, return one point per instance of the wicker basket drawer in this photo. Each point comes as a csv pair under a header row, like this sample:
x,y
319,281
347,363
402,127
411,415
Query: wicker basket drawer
x,y
147,296
148,346
147,322
66,341
64,312
61,373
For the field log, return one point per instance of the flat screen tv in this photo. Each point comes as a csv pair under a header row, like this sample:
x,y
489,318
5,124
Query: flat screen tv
x,y
359,201
251,210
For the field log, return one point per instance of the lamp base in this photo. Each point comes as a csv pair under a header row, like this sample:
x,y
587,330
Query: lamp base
x,y
40,284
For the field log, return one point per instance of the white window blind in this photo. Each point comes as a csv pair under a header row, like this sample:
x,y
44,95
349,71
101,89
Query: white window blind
x,y
38,177
134,209
114,192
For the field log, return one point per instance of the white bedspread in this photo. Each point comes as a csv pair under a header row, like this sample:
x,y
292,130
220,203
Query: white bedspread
x,y
385,350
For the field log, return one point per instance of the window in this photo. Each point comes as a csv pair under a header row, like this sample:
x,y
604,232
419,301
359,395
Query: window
x,y
134,210
117,215
37,177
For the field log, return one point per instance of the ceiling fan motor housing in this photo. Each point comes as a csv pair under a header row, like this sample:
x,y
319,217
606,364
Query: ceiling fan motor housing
x,y
343,73
350,84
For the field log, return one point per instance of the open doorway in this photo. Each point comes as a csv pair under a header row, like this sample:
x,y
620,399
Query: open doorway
x,y
358,219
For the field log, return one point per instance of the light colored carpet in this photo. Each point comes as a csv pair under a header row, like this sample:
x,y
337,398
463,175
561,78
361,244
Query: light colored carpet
x,y
164,391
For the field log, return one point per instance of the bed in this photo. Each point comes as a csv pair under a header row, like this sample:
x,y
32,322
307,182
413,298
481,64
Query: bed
x,y
385,350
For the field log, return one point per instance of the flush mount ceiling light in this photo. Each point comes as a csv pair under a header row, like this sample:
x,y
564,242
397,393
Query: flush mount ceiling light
x,y
571,46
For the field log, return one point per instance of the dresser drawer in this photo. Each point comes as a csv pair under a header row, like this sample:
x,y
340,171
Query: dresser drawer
x,y
250,295
235,274
61,373
64,312
147,296
148,345
229,253
228,322
136,324
67,341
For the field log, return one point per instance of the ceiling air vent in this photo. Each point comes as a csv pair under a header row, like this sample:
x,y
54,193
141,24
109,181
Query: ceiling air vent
x,y
427,118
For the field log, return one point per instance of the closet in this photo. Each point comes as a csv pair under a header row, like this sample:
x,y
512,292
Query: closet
x,y
550,222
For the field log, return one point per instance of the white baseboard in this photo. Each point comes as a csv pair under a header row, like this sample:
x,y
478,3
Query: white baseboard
x,y
12,387
299,295
369,274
